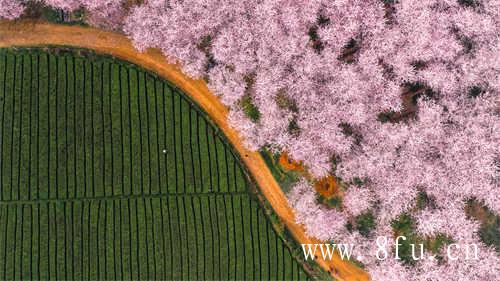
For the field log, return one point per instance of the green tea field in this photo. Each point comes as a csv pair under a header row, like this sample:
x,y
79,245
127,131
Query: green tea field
x,y
108,172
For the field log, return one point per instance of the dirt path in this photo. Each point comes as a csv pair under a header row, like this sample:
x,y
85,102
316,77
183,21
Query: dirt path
x,y
31,34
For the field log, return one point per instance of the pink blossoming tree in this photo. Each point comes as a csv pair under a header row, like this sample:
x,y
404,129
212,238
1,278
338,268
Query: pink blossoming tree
x,y
10,9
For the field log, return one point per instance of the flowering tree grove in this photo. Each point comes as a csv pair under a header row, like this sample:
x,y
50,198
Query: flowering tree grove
x,y
402,94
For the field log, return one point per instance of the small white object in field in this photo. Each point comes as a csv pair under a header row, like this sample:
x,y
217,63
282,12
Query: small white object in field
x,y
164,151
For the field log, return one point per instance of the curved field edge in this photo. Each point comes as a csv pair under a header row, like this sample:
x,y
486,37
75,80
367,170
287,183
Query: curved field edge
x,y
38,34
32,60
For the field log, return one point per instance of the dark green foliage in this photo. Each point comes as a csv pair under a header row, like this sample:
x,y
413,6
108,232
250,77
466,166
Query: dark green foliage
x,y
349,131
205,43
350,44
313,33
419,65
468,3
404,226
251,111
385,117
436,243
425,201
335,160
285,102
412,92
293,128
350,51
358,181
317,44
322,20
475,91
419,90
333,202
489,232
205,46
365,223
467,44
108,172
37,10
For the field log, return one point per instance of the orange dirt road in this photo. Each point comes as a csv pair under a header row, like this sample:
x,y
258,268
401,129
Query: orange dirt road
x,y
25,33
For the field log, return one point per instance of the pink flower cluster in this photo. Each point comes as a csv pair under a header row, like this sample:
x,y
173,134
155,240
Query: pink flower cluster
x,y
10,9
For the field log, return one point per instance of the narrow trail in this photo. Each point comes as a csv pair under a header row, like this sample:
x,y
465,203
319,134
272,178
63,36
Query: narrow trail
x,y
23,33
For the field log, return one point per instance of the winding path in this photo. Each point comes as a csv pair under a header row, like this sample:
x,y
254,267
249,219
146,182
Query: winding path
x,y
31,34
